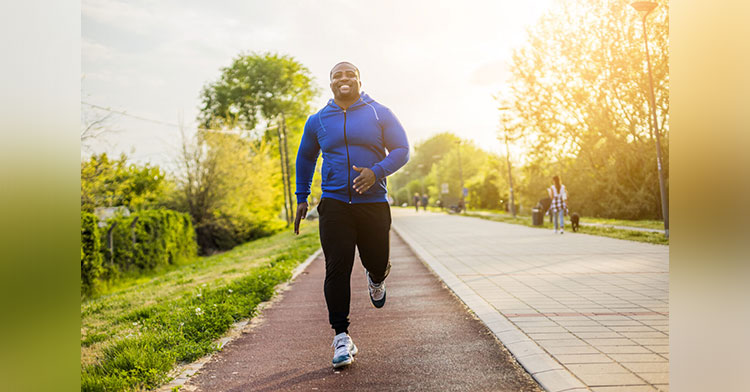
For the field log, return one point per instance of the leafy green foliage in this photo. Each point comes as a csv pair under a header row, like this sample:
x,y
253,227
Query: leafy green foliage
x,y
578,99
107,183
229,187
151,238
255,89
141,242
579,96
91,257
436,161
484,191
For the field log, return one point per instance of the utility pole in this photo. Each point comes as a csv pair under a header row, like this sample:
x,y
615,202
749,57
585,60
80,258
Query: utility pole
x,y
439,186
461,175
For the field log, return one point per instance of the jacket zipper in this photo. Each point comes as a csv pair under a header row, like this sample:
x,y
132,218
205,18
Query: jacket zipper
x,y
348,164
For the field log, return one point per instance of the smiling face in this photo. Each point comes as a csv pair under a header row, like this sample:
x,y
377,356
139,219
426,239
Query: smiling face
x,y
345,82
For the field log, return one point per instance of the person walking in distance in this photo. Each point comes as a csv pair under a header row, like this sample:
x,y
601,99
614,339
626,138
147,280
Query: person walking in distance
x,y
559,206
353,132
416,202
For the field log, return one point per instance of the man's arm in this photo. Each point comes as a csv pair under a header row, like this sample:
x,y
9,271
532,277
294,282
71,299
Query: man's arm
x,y
394,138
307,156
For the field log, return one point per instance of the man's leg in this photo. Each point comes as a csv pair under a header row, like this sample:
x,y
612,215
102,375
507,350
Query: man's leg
x,y
337,237
373,222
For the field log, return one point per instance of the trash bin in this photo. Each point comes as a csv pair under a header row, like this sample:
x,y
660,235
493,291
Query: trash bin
x,y
536,216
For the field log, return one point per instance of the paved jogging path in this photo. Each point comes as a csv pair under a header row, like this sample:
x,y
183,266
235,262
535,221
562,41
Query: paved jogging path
x,y
424,339
579,312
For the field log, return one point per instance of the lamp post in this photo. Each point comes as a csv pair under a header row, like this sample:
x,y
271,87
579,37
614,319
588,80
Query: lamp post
x,y
438,186
507,157
645,7
461,175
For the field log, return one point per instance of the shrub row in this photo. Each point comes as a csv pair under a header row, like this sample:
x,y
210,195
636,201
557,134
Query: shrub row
x,y
139,242
91,256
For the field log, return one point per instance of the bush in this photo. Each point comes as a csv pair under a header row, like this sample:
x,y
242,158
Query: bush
x,y
224,233
141,242
149,239
91,257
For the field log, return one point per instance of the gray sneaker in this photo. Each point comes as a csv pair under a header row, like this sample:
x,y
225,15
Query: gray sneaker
x,y
377,291
345,350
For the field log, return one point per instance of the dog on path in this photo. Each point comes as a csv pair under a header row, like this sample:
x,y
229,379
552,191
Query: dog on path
x,y
574,220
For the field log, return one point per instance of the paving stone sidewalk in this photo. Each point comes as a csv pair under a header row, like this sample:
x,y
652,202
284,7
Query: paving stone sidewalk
x,y
424,339
579,312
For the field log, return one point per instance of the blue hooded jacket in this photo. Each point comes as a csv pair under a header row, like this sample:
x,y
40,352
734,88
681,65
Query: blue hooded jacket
x,y
357,136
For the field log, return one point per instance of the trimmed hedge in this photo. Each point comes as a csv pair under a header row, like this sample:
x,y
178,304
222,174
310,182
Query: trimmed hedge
x,y
91,257
141,242
150,238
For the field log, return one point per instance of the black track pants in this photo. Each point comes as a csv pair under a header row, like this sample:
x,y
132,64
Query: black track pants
x,y
342,227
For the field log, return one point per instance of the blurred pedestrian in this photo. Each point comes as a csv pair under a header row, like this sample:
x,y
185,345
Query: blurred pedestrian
x,y
559,206
425,199
416,202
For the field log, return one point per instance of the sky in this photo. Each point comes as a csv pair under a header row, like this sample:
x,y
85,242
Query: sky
x,y
435,64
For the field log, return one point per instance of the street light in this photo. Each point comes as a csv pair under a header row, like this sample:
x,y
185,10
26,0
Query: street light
x,y
438,185
507,157
645,7
461,176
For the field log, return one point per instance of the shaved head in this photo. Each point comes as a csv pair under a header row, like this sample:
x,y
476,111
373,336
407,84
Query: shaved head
x,y
343,62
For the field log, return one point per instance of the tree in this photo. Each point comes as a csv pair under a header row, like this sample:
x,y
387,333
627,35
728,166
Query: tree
x,y
107,183
255,89
435,161
580,89
94,126
227,185
262,89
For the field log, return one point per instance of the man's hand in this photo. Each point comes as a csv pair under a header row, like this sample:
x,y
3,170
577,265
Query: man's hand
x,y
364,180
301,213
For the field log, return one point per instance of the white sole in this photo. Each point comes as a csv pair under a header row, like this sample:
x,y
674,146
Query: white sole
x,y
349,362
345,363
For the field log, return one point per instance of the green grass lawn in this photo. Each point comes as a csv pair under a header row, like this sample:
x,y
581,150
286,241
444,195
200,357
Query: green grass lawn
x,y
645,224
631,235
137,331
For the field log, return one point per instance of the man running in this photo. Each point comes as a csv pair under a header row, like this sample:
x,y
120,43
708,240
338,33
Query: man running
x,y
353,132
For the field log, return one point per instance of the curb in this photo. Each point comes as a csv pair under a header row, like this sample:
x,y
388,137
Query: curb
x,y
183,373
549,373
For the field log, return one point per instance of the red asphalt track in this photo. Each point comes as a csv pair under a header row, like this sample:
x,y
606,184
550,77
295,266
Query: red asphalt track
x,y
424,339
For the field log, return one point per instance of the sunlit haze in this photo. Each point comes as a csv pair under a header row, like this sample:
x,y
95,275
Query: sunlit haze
x,y
436,64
